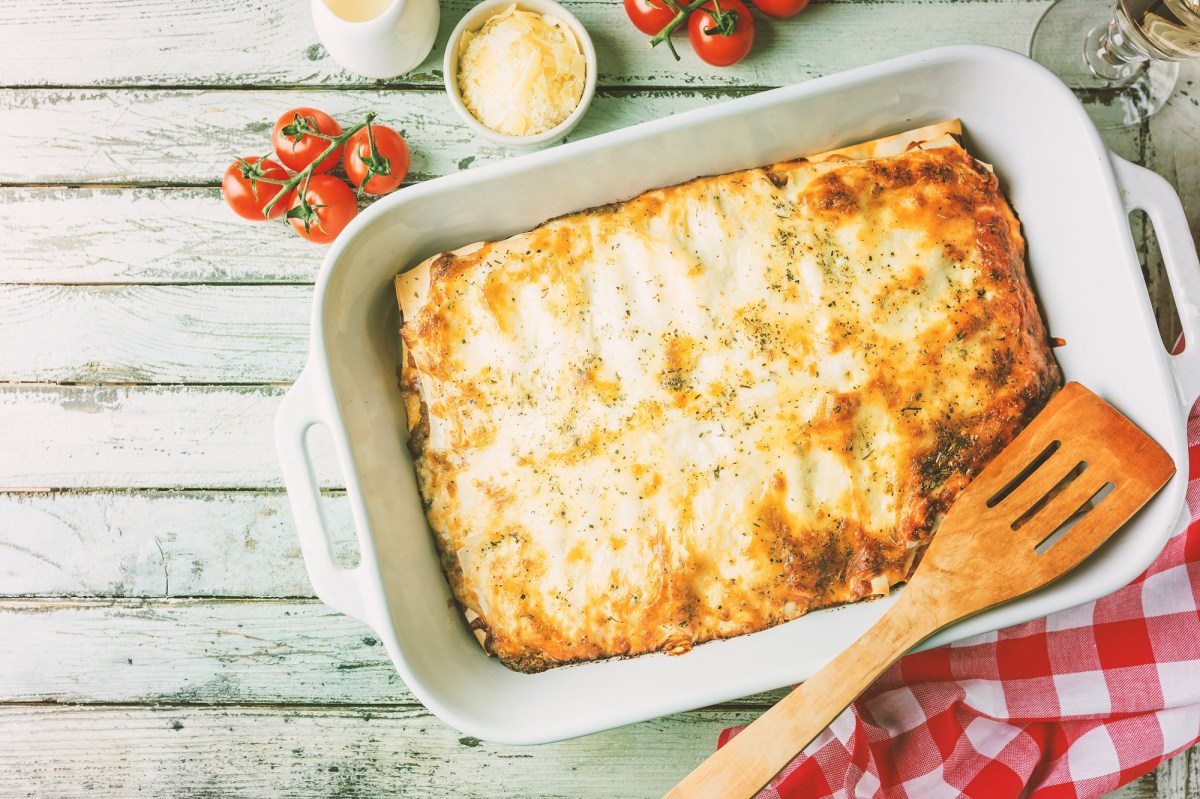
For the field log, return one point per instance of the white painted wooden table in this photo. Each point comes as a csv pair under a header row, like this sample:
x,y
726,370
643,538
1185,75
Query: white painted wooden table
x,y
158,635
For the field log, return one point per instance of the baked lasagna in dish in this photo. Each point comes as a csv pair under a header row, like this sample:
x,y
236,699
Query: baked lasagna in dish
x,y
717,406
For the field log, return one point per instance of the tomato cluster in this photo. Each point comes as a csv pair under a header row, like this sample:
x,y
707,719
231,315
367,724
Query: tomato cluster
x,y
720,31
310,144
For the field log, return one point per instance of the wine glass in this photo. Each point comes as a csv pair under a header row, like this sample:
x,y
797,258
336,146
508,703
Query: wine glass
x,y
1122,65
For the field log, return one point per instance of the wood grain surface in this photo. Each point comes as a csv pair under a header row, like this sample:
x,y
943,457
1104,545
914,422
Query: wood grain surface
x,y
158,634
160,543
233,751
160,436
155,334
77,236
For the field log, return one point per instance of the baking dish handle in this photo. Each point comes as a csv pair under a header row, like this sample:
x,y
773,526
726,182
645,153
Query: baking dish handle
x,y
1146,190
337,587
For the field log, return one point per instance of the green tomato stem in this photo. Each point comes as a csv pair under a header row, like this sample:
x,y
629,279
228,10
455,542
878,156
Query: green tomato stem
x,y
682,14
724,22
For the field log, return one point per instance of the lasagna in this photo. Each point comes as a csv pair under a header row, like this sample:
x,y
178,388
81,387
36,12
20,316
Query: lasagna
x,y
720,405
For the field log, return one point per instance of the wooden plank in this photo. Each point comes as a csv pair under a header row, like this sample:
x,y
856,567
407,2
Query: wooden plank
x,y
53,751
154,334
159,543
201,651
253,752
145,437
174,136
172,235
193,651
193,42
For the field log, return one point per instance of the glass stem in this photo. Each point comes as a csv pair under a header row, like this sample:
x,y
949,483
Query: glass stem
x,y
1110,53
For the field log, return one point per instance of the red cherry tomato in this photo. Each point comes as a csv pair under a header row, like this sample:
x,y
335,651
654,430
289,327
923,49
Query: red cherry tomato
x,y
295,144
648,16
385,170
780,9
327,207
246,194
723,37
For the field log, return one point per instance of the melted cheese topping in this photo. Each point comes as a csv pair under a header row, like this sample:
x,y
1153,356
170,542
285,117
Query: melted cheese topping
x,y
716,406
521,73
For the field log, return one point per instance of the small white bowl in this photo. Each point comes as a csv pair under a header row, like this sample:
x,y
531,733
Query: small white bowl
x,y
473,21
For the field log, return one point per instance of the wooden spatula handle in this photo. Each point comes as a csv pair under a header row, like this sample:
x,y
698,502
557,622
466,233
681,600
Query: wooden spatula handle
x,y
744,765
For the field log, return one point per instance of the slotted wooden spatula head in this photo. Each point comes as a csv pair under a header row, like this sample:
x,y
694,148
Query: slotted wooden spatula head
x,y
1073,476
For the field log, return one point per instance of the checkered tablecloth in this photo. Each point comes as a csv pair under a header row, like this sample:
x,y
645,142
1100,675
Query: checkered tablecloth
x,y
1072,705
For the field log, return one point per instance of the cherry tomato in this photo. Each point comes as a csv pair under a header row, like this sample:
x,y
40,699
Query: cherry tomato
x,y
721,37
648,16
327,207
382,172
298,148
247,195
780,9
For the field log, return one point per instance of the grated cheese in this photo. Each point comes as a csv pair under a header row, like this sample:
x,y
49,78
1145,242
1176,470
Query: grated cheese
x,y
521,73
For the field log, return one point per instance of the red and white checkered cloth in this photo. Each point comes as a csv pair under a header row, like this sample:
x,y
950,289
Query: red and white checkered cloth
x,y
1072,705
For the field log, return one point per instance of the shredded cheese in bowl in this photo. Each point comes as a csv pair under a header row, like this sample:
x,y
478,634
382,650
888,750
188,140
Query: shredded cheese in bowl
x,y
522,73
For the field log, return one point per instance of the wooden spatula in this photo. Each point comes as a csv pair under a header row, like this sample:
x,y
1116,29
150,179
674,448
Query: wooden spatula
x,y
1002,538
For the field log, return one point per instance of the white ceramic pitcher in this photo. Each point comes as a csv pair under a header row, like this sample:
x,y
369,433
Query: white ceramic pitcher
x,y
377,38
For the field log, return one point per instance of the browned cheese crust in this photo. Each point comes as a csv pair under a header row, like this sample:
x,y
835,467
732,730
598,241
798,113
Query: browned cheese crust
x,y
717,406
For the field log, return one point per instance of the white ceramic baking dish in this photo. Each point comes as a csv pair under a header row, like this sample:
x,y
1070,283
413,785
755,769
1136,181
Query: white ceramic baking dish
x,y
1072,195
